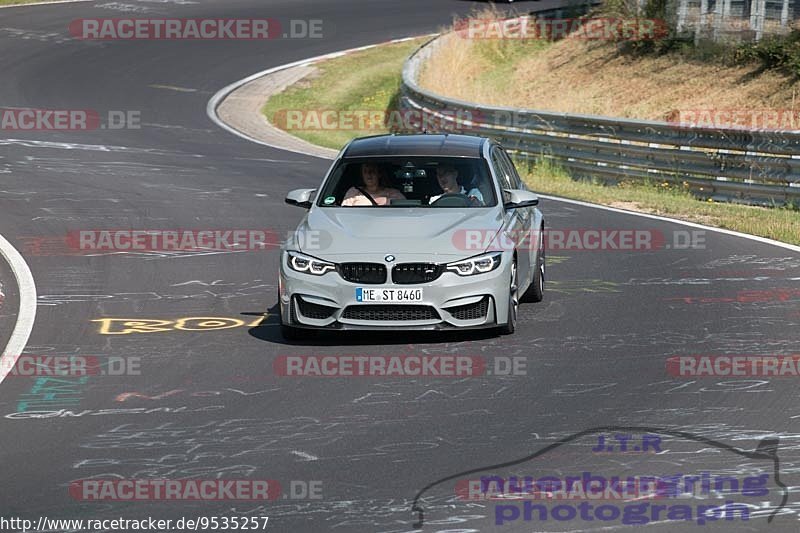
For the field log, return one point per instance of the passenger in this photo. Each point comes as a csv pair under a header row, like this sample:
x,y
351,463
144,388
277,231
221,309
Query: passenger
x,y
447,176
375,189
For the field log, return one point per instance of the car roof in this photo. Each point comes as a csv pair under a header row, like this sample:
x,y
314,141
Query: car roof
x,y
420,144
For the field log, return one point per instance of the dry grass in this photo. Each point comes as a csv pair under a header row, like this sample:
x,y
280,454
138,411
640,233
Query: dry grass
x,y
591,77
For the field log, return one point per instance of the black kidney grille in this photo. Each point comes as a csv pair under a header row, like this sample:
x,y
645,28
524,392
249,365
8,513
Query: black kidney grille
x,y
416,272
470,311
390,312
363,272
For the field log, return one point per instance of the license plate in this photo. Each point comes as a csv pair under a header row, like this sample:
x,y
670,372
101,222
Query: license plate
x,y
388,295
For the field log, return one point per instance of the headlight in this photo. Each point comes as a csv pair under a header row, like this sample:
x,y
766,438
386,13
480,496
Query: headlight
x,y
309,265
476,265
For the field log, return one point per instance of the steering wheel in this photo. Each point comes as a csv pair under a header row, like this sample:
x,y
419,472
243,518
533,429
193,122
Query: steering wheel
x,y
453,199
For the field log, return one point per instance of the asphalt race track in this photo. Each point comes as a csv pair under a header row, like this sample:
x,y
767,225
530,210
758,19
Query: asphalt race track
x,y
207,404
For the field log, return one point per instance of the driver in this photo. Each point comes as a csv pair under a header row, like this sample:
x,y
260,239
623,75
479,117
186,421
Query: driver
x,y
447,176
375,189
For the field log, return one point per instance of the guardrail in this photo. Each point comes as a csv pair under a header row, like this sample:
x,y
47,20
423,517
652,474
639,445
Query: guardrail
x,y
756,166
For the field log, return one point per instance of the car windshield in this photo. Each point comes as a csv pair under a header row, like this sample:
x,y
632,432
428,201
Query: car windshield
x,y
423,182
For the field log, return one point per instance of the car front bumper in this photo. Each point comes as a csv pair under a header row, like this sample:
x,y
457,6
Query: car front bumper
x,y
449,302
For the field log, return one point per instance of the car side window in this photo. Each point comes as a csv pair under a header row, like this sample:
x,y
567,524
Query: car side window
x,y
502,171
516,182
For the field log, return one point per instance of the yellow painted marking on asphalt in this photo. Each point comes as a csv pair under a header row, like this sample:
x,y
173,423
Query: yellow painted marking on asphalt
x,y
126,326
556,259
583,285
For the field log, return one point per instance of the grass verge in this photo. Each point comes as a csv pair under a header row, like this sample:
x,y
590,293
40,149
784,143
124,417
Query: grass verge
x,y
779,223
370,79
362,81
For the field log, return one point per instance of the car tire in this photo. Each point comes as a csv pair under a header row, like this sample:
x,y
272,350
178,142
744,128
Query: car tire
x,y
535,292
513,302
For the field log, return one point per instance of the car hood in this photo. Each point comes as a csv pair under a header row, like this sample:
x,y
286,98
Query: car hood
x,y
410,233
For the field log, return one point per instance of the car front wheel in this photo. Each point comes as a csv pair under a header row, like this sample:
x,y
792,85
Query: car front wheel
x,y
513,302
535,292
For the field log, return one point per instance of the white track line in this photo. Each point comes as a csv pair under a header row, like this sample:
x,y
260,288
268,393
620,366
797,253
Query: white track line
x,y
211,110
27,307
216,100
667,219
27,287
45,3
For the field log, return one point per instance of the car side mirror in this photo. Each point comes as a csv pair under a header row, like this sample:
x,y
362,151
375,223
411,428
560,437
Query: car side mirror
x,y
518,198
301,197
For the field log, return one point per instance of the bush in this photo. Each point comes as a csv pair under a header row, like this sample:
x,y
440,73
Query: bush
x,y
775,52
778,52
